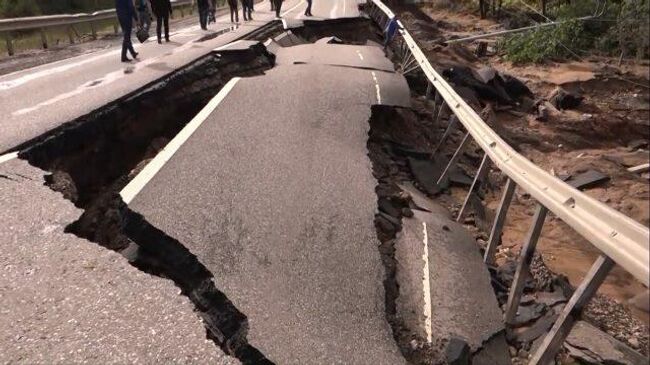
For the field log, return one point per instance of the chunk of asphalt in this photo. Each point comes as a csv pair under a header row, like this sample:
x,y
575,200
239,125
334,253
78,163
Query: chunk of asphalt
x,y
457,352
445,288
457,177
387,207
528,313
426,173
422,202
539,328
593,346
588,179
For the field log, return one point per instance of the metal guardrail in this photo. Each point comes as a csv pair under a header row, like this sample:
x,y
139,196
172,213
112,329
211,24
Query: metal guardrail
x,y
42,22
620,239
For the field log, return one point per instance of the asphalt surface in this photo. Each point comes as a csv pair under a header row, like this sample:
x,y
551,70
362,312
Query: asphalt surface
x,y
274,195
65,300
455,288
39,99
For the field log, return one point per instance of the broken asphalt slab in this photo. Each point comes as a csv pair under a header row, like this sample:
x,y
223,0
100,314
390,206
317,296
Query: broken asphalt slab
x,y
445,289
274,195
67,300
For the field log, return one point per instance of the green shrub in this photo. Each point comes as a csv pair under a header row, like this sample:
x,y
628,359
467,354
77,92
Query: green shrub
x,y
18,8
544,43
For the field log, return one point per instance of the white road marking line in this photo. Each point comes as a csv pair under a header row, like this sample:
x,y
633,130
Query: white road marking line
x,y
228,45
137,184
8,157
284,24
426,285
377,88
360,55
290,10
344,8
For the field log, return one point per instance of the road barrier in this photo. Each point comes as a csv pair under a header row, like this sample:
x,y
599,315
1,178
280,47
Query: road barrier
x,y
620,239
41,23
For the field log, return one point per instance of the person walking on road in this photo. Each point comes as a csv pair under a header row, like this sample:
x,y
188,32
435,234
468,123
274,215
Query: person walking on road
x,y
234,12
162,9
144,13
277,5
308,11
126,15
204,10
246,9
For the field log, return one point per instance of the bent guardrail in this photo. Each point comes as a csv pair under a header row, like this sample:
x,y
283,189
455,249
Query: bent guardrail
x,y
620,239
40,23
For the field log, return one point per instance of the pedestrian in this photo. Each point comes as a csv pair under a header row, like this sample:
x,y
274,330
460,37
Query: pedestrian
x,y
144,14
246,9
204,9
234,15
125,15
162,9
272,5
308,11
277,5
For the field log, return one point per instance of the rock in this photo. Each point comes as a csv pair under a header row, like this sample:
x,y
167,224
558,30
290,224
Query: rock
x,y
542,113
636,144
528,313
641,301
515,88
387,207
485,74
563,99
457,352
629,159
588,179
425,173
406,212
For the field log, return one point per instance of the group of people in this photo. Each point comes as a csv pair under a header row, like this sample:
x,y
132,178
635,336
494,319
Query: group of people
x,y
142,12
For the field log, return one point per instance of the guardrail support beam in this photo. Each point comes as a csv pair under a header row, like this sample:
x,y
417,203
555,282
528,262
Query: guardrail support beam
x,y
476,184
454,158
523,266
499,222
70,35
93,30
43,38
555,338
10,44
448,130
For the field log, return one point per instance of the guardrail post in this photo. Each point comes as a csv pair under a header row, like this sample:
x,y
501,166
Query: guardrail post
x,y
93,30
70,35
427,94
555,338
454,158
43,38
499,222
180,8
523,266
478,179
445,135
115,28
10,44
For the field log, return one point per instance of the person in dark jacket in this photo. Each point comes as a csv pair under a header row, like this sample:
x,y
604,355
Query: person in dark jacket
x,y
308,11
246,9
277,5
162,9
234,15
126,14
204,10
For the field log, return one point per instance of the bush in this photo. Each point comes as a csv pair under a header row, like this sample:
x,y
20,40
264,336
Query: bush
x,y
544,43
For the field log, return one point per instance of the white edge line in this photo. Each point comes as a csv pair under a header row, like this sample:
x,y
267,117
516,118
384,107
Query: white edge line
x,y
284,24
227,45
426,285
135,186
8,157
290,10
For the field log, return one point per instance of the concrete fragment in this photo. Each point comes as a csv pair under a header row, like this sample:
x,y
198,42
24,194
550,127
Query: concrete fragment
x,y
422,202
563,99
457,352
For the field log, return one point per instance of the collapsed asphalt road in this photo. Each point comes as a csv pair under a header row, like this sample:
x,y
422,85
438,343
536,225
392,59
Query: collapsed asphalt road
x,y
261,209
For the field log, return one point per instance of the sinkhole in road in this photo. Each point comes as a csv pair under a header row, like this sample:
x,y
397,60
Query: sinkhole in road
x,y
92,158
